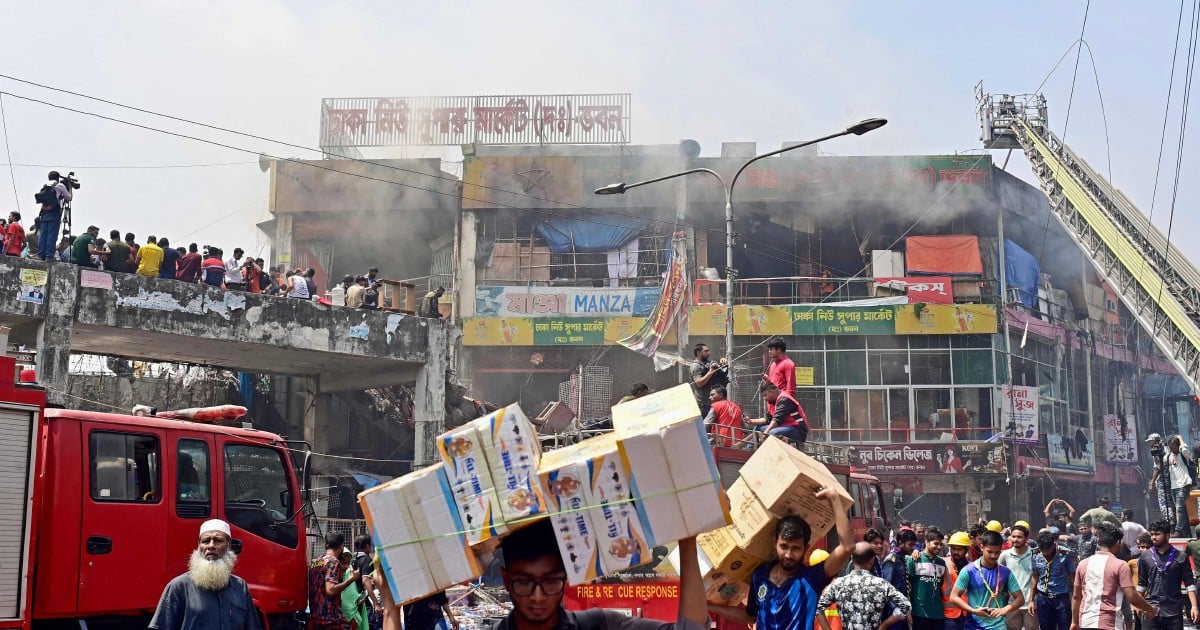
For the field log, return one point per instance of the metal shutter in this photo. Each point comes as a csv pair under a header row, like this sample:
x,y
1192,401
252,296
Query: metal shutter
x,y
16,437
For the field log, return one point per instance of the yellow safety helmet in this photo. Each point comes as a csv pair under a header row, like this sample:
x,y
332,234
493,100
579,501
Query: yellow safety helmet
x,y
994,526
1024,524
960,539
817,557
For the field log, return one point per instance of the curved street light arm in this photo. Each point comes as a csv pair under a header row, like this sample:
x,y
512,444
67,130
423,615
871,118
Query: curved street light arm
x,y
756,158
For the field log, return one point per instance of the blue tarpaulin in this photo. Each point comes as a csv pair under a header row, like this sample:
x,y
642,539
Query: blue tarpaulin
x,y
587,233
1022,273
246,389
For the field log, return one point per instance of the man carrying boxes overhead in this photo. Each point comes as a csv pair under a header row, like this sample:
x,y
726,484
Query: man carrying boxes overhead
x,y
784,592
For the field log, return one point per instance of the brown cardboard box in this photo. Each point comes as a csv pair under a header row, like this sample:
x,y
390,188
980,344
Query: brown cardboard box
x,y
720,586
753,527
726,556
786,480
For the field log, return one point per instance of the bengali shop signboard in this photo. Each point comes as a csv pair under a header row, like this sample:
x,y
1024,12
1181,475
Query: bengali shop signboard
x,y
926,290
931,459
461,120
888,319
551,331
495,301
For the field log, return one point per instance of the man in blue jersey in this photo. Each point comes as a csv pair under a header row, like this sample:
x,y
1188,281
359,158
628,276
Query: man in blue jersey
x,y
784,592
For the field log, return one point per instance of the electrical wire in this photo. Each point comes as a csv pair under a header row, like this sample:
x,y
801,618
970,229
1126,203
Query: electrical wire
x,y
301,147
8,153
541,211
1162,139
1078,54
129,166
453,180
1189,74
219,429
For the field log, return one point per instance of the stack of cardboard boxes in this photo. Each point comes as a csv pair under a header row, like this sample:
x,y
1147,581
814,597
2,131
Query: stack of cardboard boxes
x,y
776,481
611,499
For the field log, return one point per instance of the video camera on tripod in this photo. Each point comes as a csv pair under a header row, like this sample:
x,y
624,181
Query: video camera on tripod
x,y
48,197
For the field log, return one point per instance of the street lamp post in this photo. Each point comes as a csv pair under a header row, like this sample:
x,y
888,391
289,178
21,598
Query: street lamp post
x,y
856,129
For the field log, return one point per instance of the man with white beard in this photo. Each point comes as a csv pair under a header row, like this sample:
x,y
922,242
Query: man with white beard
x,y
209,596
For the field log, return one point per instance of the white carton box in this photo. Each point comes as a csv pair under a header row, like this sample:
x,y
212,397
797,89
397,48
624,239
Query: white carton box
x,y
591,479
665,446
415,524
470,481
513,451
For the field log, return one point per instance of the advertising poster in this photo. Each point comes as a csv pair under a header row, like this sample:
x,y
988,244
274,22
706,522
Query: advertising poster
x,y
33,286
1120,440
1071,452
1019,413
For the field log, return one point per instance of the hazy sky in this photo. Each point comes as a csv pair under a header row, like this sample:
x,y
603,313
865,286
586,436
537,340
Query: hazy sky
x,y
712,71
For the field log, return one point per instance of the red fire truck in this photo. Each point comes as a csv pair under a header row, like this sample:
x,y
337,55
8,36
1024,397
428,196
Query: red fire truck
x,y
645,593
99,511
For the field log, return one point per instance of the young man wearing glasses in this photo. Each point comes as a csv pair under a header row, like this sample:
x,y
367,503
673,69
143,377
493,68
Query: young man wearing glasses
x,y
535,579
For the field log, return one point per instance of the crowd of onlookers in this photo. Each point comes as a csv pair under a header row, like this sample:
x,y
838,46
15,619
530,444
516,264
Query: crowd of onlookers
x,y
156,258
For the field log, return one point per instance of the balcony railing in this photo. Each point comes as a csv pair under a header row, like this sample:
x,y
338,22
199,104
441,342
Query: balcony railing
x,y
810,289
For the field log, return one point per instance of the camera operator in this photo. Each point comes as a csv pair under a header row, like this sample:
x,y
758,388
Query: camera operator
x,y
55,197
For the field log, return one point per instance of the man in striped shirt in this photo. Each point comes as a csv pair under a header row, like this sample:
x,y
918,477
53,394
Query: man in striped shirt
x,y
1103,583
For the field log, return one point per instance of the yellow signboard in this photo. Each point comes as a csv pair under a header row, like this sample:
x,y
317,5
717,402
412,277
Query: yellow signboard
x,y
498,331
762,320
804,376
707,319
547,331
946,319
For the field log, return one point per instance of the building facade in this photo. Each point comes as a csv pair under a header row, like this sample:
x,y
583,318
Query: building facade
x,y
940,320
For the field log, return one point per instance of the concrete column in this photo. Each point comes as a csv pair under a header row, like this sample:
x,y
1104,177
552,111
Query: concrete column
x,y
318,425
429,408
466,264
54,332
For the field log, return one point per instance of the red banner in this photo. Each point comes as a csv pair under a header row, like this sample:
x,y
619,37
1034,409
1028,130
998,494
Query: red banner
x,y
670,304
955,255
922,289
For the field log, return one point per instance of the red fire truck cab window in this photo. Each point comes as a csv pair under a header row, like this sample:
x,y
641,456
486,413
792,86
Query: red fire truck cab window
x,y
125,467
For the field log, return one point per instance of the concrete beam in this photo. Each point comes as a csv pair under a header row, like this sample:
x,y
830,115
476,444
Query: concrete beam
x,y
360,380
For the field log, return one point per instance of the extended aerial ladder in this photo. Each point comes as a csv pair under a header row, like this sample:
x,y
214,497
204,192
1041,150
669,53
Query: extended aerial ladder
x,y
1158,285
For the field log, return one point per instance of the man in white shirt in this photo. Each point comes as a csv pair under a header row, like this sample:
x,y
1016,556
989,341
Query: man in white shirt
x,y
1179,470
233,271
1131,530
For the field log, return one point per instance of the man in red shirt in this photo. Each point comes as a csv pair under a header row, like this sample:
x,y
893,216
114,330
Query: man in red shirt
x,y
726,418
14,238
787,416
782,371
189,264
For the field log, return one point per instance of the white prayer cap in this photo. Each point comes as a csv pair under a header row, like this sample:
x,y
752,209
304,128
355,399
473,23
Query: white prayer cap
x,y
216,525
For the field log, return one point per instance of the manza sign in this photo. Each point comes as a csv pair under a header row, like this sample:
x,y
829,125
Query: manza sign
x,y
564,302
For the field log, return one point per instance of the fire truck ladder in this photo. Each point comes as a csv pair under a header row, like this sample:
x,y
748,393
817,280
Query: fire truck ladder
x,y
1158,284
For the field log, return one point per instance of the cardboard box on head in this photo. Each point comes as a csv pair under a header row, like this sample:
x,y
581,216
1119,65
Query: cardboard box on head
x,y
590,479
513,451
753,527
416,527
720,587
786,480
492,463
664,443
471,483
